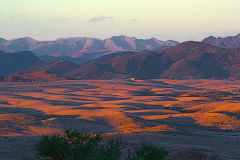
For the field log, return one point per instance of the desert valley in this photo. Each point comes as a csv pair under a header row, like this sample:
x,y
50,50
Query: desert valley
x,y
174,114
119,80
175,95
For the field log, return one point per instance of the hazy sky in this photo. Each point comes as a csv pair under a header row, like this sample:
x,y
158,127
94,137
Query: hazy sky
x,y
164,19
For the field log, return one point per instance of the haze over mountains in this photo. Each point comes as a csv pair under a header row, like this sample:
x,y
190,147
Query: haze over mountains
x,y
188,60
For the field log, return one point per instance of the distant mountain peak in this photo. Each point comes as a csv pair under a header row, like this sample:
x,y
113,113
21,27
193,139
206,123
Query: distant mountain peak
x,y
68,46
225,42
154,39
120,36
29,38
190,44
2,40
73,38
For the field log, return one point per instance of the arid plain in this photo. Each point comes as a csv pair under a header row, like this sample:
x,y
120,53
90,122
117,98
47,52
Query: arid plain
x,y
176,114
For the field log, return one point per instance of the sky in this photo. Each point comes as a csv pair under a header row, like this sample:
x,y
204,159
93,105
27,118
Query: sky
x,y
179,20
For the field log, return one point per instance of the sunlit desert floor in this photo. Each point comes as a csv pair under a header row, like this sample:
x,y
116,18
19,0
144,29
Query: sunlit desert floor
x,y
175,114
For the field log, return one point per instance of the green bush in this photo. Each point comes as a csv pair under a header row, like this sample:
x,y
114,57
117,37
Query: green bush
x,y
73,145
147,152
53,146
109,151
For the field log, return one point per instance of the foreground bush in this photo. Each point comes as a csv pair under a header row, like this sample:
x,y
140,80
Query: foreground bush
x,y
147,152
72,145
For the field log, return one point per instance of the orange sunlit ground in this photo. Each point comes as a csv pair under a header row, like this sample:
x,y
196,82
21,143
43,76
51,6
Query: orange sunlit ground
x,y
122,107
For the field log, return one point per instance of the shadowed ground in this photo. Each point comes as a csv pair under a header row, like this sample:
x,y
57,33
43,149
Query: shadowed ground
x,y
202,114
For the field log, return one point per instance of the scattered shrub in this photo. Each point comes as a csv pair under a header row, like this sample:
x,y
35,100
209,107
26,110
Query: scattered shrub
x,y
147,152
73,145
53,146
109,151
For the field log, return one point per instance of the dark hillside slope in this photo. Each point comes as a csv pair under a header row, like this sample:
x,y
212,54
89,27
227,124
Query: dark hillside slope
x,y
11,63
55,67
41,76
184,61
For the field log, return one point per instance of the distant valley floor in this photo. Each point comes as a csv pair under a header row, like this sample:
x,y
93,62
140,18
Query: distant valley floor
x,y
203,114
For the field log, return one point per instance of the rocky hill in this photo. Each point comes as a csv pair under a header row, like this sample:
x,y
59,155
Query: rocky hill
x,y
185,61
227,42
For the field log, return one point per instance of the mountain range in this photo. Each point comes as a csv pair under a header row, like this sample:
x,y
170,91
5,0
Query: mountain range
x,y
81,49
227,42
187,60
